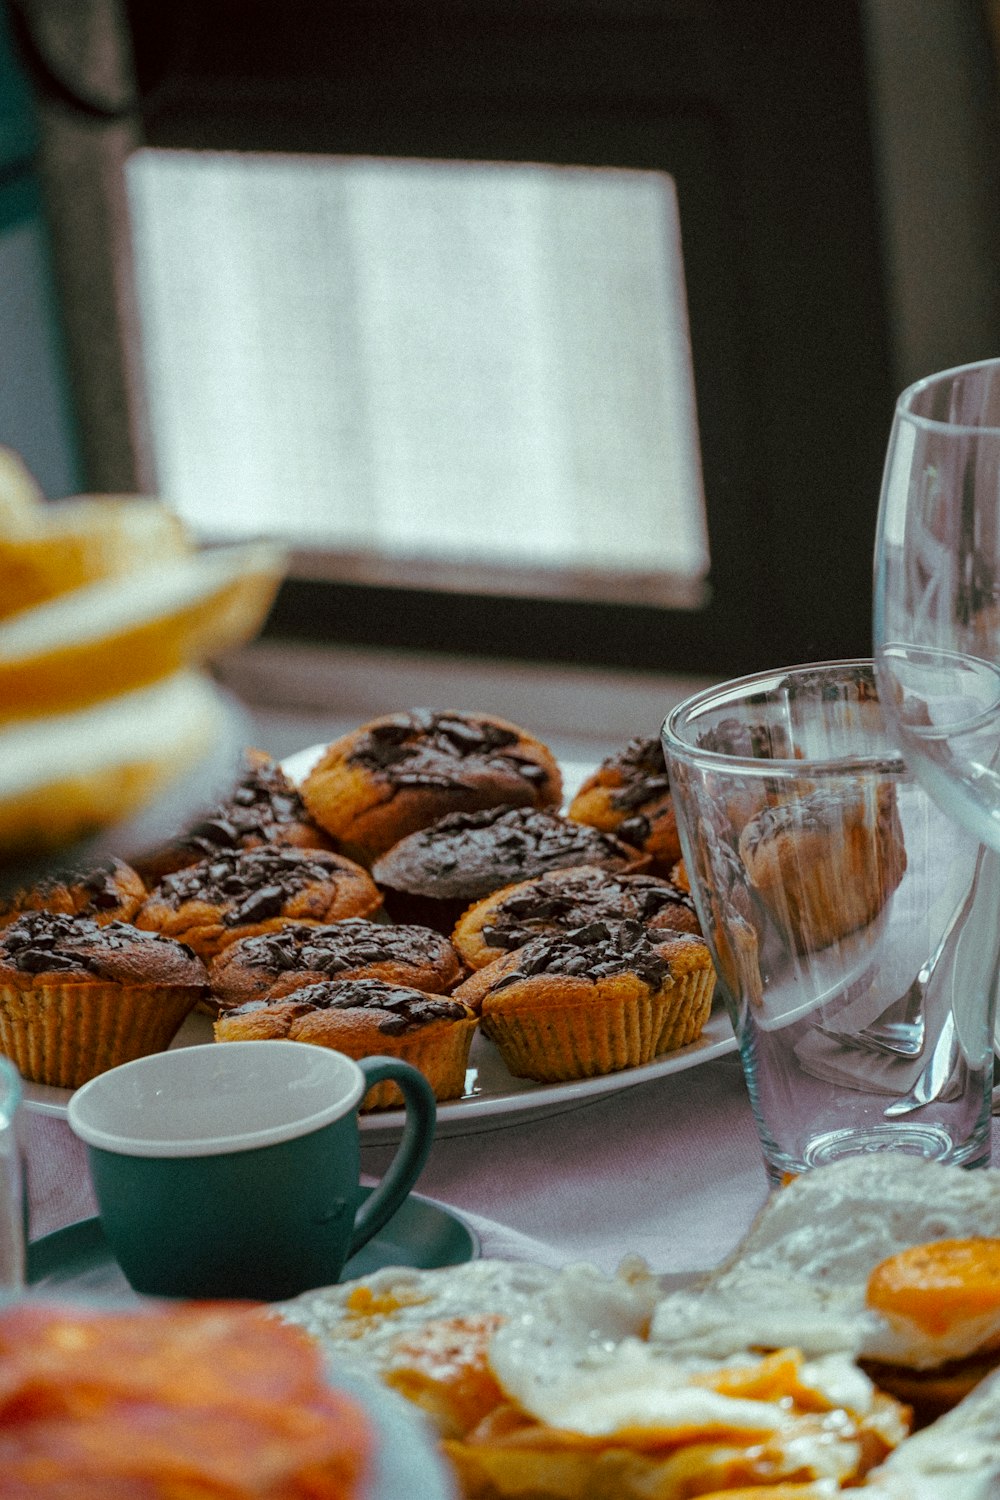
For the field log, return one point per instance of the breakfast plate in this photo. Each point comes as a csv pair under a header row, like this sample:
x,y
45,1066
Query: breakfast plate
x,y
404,1456
642,1371
493,1097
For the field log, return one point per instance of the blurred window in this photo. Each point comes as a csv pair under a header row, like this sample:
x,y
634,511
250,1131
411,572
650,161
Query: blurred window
x,y
472,374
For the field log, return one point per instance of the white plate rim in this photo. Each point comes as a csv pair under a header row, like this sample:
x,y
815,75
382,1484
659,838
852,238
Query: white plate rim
x,y
488,1110
473,1112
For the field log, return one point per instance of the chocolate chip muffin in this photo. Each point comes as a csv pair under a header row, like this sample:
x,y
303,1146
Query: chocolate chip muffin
x,y
629,795
738,798
367,1018
77,998
397,774
564,900
433,876
849,695
732,916
277,963
240,893
108,892
263,808
592,1001
825,865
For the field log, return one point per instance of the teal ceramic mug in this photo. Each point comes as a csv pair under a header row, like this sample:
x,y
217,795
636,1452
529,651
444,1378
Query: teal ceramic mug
x,y
232,1171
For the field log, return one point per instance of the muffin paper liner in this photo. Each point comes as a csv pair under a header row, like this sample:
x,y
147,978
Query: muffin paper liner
x,y
616,1032
442,1057
439,1051
64,1034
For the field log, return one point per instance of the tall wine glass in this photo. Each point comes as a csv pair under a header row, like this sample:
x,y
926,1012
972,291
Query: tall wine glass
x,y
937,640
937,590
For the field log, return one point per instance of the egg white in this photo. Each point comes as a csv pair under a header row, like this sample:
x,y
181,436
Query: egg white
x,y
958,1456
577,1360
799,1277
404,1300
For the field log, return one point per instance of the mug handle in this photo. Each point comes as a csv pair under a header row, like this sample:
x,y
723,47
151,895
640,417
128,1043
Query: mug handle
x,y
414,1148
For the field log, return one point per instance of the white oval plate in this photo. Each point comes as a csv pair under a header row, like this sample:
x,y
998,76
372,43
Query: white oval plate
x,y
493,1097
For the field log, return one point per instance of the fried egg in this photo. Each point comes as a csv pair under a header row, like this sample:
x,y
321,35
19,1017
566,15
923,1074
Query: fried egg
x,y
373,1312
753,1368
582,1363
888,1258
566,1352
429,1334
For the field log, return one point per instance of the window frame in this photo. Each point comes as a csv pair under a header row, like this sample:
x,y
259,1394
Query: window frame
x,y
760,115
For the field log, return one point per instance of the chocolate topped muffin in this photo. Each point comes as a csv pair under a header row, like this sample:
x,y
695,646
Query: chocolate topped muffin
x,y
366,1018
434,875
43,943
277,963
595,951
238,893
562,901
737,795
109,892
263,808
854,685
826,864
399,773
732,914
629,795
77,997
593,1000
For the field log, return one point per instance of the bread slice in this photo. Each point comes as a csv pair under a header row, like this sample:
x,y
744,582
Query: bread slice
x,y
67,776
126,632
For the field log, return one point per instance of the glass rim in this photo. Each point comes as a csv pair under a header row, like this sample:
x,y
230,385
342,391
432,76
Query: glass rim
x,y
785,767
905,399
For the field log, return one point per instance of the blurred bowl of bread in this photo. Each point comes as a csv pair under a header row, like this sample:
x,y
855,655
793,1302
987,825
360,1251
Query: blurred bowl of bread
x,y
110,616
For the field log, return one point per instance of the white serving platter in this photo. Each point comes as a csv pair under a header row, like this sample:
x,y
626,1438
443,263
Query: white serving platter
x,y
493,1097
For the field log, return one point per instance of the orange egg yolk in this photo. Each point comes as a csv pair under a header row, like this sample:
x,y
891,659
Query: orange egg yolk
x,y
938,1285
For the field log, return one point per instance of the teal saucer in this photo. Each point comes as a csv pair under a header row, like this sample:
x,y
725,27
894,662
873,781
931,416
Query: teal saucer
x,y
422,1234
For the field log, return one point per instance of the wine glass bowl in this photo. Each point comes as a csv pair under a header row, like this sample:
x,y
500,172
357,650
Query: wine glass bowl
x,y
937,590
937,629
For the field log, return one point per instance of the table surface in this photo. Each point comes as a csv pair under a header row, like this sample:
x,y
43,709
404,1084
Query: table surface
x,y
669,1170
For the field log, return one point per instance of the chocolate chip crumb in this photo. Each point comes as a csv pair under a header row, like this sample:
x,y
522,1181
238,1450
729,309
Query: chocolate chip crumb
x,y
595,951
429,749
396,1008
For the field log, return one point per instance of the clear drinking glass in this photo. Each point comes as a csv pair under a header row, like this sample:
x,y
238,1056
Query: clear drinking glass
x,y
853,925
